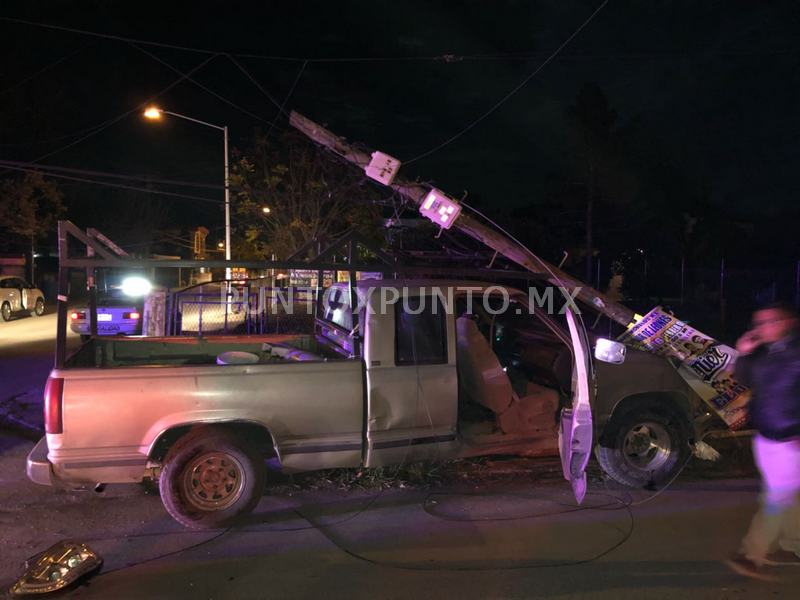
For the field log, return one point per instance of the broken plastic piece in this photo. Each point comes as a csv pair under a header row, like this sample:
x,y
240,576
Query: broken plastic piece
x,y
705,452
60,565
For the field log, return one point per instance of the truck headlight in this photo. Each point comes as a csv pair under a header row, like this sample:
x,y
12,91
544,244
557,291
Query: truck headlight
x,y
609,351
60,565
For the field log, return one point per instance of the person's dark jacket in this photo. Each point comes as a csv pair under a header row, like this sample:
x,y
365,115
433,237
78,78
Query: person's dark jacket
x,y
773,374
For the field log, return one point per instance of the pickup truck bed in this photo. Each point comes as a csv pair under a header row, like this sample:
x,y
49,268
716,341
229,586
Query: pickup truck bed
x,y
108,437
124,352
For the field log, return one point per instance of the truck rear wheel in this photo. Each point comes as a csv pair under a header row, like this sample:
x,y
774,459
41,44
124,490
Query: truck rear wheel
x,y
210,479
643,447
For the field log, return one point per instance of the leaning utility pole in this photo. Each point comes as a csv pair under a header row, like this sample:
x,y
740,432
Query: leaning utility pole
x,y
495,240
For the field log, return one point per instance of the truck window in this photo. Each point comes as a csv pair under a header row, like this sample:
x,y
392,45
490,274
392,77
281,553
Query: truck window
x,y
420,331
337,309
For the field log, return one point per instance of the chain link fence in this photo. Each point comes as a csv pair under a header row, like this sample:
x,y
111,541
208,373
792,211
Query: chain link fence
x,y
718,298
249,308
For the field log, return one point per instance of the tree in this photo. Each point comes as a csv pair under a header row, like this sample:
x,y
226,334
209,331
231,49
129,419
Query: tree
x,y
308,194
30,207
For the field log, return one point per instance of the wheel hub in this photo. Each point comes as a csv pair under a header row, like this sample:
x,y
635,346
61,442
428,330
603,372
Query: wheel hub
x,y
213,481
647,446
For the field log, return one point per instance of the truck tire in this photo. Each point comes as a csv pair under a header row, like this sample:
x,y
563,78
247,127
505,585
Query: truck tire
x,y
643,447
210,479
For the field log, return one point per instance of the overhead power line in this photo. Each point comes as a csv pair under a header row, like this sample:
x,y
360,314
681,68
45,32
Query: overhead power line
x,y
200,85
89,173
444,58
112,121
286,99
115,185
99,126
519,86
44,69
255,82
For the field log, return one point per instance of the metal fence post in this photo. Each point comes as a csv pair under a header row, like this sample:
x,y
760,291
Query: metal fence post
x,y
227,307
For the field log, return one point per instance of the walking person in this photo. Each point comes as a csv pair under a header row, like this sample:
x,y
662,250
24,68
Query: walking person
x,y
769,363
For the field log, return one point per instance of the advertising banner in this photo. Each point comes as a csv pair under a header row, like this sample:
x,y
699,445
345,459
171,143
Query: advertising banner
x,y
702,361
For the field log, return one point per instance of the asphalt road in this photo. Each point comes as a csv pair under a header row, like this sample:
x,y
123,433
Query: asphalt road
x,y
519,537
29,335
27,347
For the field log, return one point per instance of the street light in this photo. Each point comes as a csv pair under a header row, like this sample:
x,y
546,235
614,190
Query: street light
x,y
266,210
154,113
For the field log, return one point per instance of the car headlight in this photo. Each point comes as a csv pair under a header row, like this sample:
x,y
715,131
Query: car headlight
x,y
60,565
136,286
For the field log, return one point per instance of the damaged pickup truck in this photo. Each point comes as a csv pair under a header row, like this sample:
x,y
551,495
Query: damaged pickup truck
x,y
419,370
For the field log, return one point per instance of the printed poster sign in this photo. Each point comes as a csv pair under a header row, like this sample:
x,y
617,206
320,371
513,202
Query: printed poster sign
x,y
702,361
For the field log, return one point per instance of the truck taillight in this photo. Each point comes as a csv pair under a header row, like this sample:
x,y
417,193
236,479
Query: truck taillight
x,y
53,405
131,315
75,316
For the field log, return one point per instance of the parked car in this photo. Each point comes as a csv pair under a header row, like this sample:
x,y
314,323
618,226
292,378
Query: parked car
x,y
427,378
119,310
19,296
114,317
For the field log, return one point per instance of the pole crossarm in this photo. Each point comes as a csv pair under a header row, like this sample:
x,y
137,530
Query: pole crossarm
x,y
498,242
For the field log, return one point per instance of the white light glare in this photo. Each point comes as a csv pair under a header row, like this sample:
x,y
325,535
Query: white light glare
x,y
609,351
136,286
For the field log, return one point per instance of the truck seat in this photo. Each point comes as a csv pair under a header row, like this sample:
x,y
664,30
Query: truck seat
x,y
535,411
482,380
480,374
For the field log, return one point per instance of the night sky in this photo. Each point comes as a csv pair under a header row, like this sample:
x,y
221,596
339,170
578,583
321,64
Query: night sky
x,y
708,88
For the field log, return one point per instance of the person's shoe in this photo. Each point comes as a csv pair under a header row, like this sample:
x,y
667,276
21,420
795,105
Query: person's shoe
x,y
744,566
782,557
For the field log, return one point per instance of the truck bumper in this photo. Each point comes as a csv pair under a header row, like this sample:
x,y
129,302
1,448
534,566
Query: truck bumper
x,y
39,468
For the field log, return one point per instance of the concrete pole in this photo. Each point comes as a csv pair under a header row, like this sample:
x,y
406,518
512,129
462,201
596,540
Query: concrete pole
x,y
472,227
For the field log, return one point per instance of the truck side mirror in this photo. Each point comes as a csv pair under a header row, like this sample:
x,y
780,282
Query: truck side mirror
x,y
609,351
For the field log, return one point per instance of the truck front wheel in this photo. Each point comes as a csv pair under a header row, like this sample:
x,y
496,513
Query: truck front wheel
x,y
643,447
210,479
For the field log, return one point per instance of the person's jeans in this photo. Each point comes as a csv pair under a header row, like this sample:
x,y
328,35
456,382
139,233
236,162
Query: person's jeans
x,y
777,522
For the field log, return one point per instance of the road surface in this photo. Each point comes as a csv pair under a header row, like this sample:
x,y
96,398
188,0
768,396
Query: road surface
x,y
521,538
27,347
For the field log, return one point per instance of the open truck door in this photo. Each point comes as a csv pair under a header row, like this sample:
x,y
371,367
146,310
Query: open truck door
x,y
575,426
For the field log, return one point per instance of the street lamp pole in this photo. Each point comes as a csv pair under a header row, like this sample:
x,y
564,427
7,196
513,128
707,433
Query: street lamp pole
x,y
154,113
227,206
